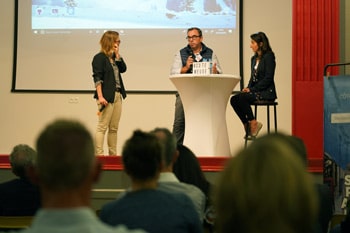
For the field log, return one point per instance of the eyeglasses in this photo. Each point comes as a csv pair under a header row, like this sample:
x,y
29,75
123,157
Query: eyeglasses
x,y
117,41
192,37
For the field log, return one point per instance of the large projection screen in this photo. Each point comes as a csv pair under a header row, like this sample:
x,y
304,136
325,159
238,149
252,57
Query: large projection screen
x,y
55,40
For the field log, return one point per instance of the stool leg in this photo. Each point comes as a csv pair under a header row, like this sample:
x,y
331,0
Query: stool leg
x,y
268,118
275,117
256,111
246,138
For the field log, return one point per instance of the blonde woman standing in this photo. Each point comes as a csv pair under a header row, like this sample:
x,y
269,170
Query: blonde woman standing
x,y
107,66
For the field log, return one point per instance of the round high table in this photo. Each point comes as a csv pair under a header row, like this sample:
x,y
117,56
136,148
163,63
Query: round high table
x,y
204,98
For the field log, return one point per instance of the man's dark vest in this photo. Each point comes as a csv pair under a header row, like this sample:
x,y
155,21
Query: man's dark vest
x,y
206,54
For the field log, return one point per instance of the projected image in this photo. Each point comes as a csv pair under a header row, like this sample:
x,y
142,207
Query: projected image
x,y
132,14
60,38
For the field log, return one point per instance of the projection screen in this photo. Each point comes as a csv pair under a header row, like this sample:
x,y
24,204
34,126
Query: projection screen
x,y
55,40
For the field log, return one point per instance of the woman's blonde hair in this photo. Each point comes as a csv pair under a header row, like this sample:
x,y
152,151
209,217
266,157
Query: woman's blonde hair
x,y
107,42
266,188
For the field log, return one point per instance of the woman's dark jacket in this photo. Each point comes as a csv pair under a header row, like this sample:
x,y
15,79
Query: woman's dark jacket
x,y
262,81
103,72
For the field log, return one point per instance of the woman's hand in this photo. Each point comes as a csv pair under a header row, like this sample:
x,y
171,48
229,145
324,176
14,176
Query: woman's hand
x,y
102,100
116,51
214,69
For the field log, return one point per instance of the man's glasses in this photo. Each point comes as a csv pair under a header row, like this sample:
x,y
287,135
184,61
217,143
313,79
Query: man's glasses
x,y
192,37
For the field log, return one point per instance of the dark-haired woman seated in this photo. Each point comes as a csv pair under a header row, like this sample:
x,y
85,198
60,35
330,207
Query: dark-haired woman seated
x,y
261,85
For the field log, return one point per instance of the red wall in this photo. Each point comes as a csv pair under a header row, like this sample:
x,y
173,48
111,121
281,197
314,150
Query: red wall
x,y
315,43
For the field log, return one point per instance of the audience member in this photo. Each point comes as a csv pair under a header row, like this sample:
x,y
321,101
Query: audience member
x,y
19,197
66,169
167,180
265,189
188,170
325,196
144,206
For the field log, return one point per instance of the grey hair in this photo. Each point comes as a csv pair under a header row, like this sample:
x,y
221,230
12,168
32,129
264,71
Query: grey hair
x,y
168,141
22,157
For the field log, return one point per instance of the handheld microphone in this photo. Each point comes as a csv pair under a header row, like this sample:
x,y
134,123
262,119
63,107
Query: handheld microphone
x,y
100,110
194,59
193,56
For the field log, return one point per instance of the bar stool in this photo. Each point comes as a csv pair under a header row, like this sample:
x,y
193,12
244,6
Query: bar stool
x,y
266,103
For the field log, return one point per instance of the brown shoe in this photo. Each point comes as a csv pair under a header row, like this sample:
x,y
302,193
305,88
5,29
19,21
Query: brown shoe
x,y
254,129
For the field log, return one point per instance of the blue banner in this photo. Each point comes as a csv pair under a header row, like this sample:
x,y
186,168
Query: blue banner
x,y
337,119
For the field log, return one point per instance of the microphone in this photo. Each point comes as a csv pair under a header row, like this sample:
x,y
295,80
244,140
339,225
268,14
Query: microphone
x,y
193,56
100,110
194,59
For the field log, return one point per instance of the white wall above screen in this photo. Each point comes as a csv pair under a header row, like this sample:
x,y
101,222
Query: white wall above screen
x,y
56,43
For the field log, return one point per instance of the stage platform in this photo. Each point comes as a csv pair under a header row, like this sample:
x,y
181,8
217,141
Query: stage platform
x,y
114,180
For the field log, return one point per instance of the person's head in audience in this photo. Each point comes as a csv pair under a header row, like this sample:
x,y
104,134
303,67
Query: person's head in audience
x,y
324,193
142,157
19,196
170,153
298,145
66,165
188,170
65,171
145,206
167,179
21,159
265,188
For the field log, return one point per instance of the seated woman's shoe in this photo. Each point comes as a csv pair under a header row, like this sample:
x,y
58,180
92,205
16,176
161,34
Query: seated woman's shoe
x,y
255,128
